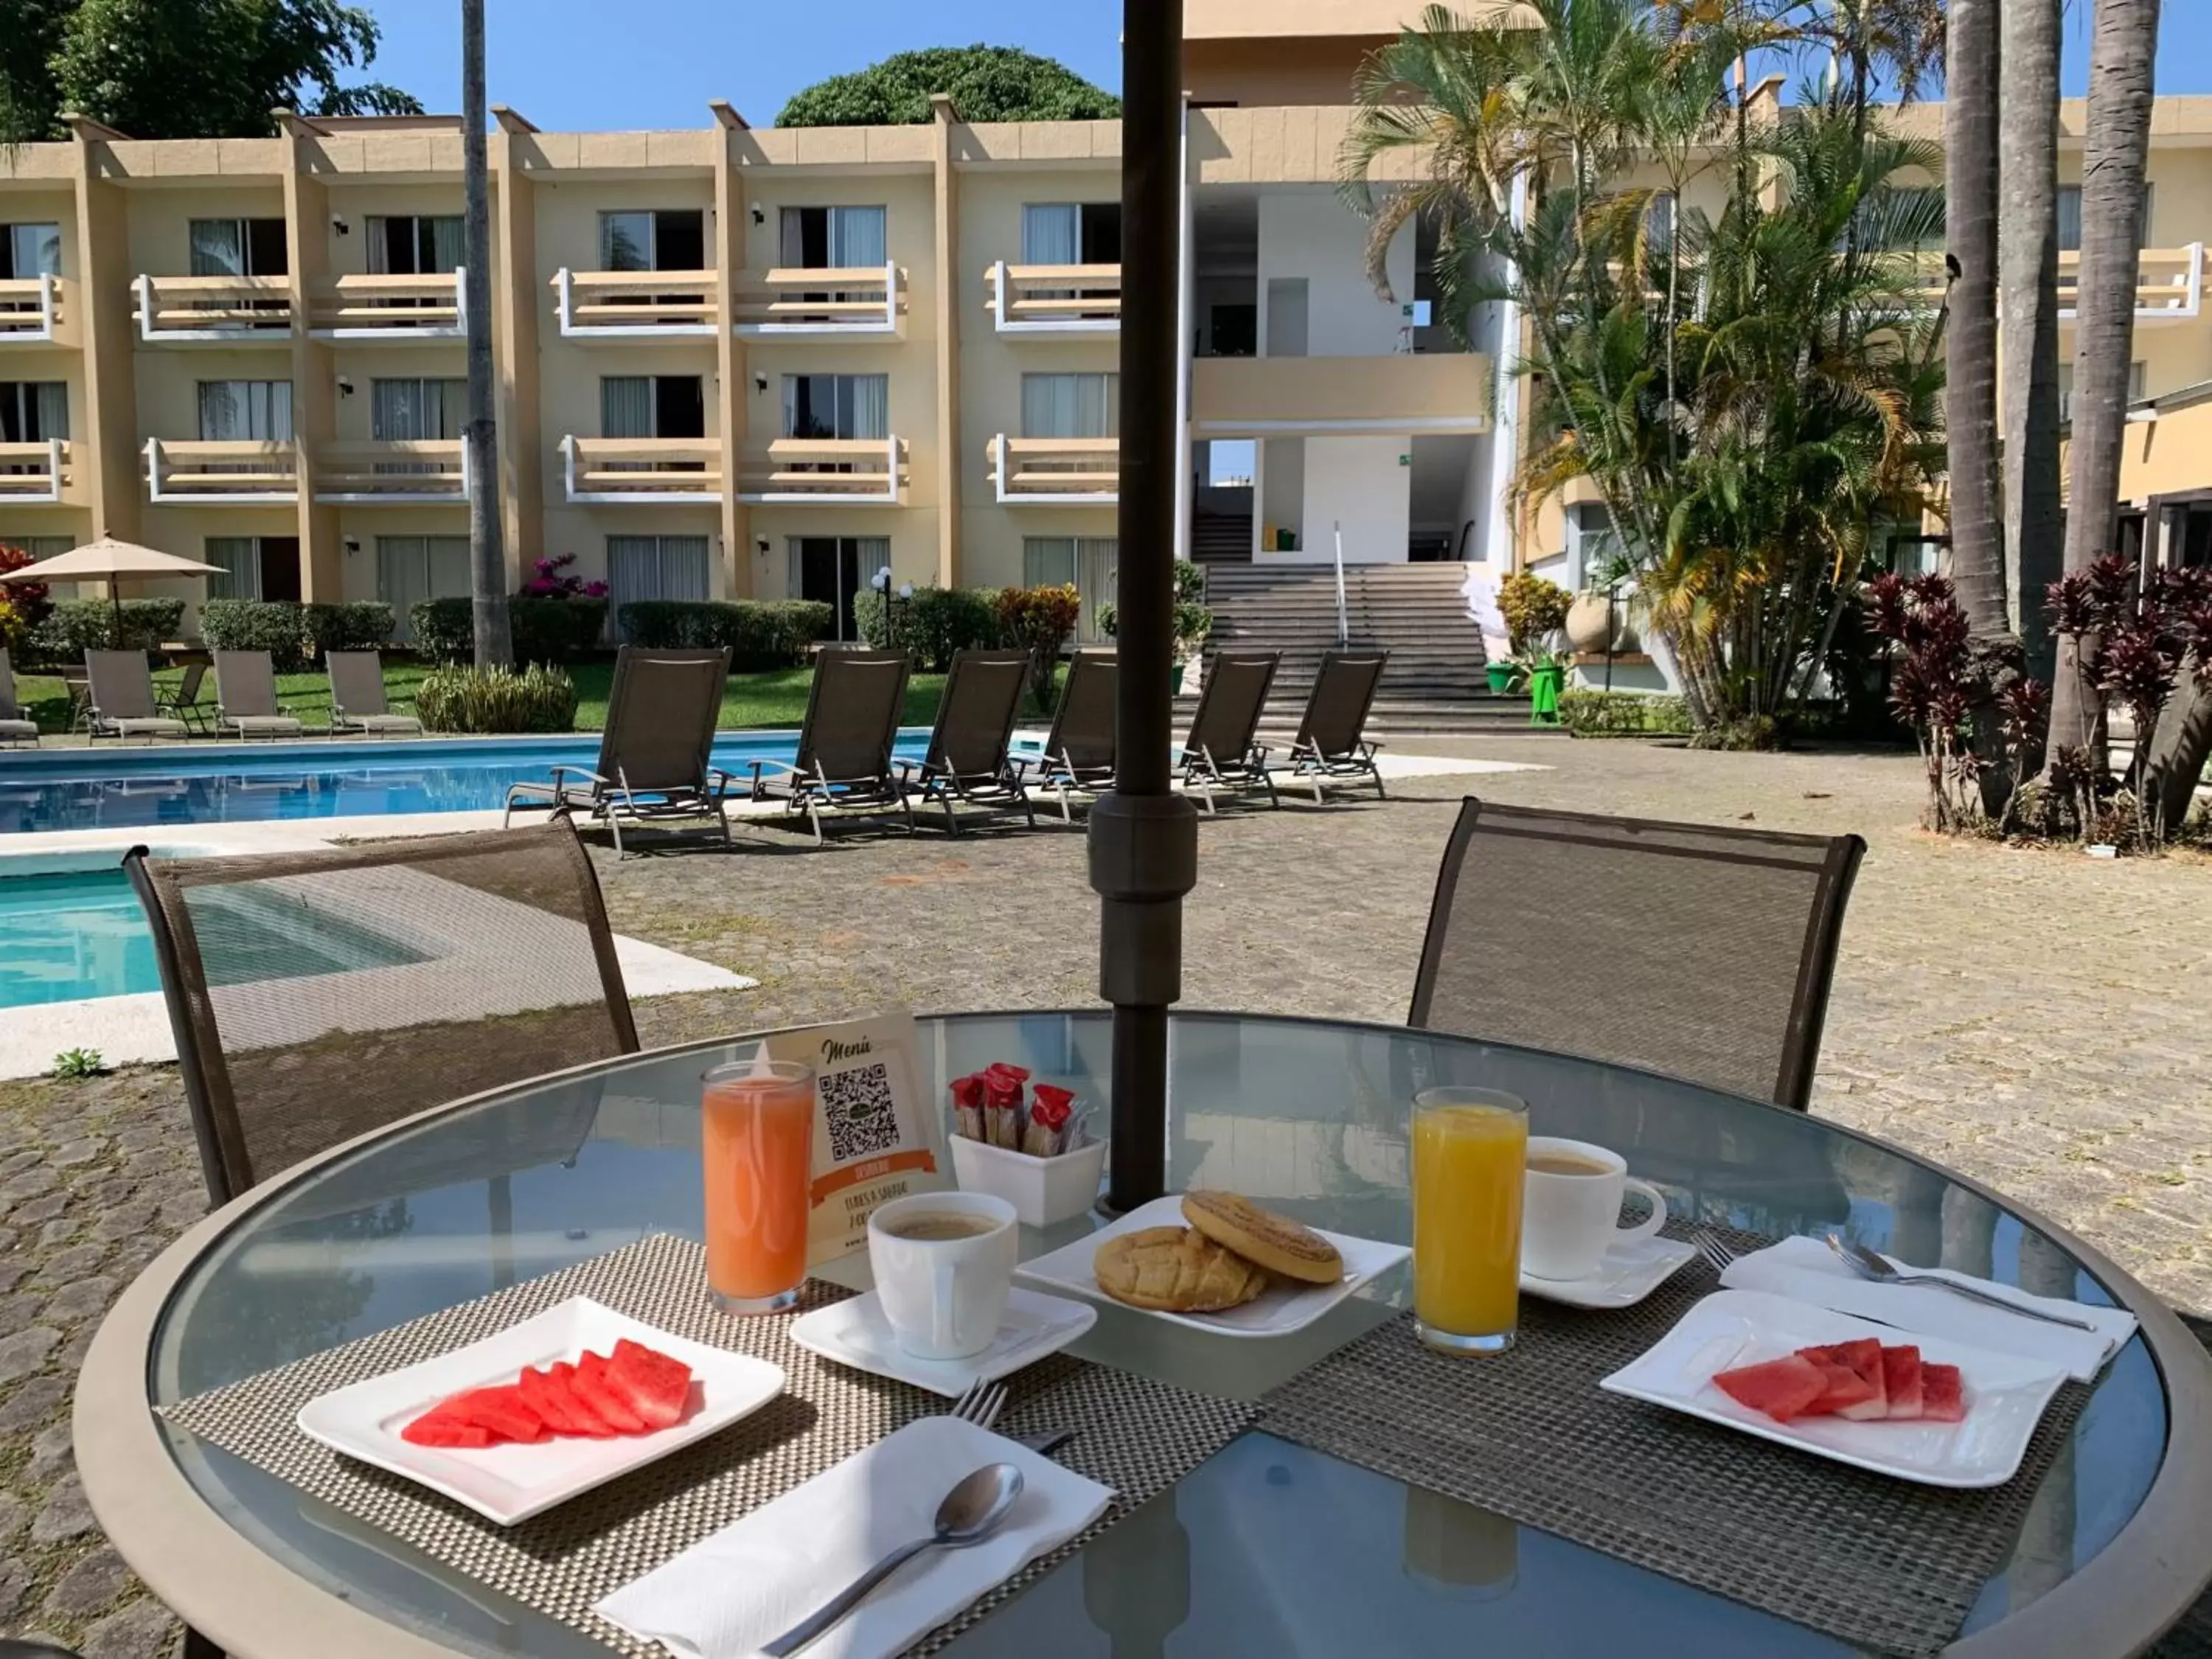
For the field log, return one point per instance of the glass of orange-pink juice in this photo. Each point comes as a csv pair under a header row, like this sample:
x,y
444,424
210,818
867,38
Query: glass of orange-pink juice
x,y
757,1128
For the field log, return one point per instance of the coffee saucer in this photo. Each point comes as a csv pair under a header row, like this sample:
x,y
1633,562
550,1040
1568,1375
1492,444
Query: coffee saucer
x,y
856,1333
1627,1275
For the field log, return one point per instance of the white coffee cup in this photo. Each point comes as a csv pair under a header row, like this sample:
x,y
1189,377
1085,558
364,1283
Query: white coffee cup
x,y
1569,1220
944,1297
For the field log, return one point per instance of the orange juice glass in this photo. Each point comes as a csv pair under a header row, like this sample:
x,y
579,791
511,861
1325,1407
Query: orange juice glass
x,y
757,1128
1470,1146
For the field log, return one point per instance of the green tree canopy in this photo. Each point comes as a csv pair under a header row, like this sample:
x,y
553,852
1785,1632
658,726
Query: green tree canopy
x,y
185,69
986,83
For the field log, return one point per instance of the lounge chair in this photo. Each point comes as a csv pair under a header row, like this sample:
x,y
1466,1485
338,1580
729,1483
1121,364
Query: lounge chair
x,y
1331,745
245,697
184,702
1079,751
119,700
1221,752
357,701
15,726
968,761
844,759
656,754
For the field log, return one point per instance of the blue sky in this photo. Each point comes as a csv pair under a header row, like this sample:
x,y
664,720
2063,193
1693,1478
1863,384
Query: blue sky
x,y
659,68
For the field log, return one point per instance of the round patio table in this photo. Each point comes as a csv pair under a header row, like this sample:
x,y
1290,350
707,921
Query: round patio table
x,y
1264,1540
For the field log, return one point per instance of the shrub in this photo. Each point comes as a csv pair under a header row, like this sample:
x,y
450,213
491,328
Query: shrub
x,y
759,632
29,602
1531,607
76,626
1587,714
444,629
986,83
272,625
1193,620
361,625
550,580
933,624
558,630
1038,620
535,699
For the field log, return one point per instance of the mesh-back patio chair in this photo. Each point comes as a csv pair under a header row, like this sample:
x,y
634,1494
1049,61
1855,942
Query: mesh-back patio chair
x,y
1220,752
1712,949
844,760
316,996
656,756
16,725
357,699
969,761
245,697
1332,744
183,702
1077,756
119,700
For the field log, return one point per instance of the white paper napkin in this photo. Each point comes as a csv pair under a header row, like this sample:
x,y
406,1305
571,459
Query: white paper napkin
x,y
1807,1270
758,1577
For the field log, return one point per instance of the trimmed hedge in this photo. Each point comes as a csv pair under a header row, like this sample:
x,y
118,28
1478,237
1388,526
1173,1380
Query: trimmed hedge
x,y
932,625
536,699
270,625
1587,714
544,630
759,632
444,630
78,626
359,625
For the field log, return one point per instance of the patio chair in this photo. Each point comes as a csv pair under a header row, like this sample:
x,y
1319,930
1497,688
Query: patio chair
x,y
655,756
357,700
15,726
119,700
245,697
1701,952
1331,744
318,995
184,702
969,761
1220,752
1079,751
844,759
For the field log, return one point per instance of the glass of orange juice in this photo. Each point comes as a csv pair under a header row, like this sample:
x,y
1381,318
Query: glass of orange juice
x,y
756,1129
1469,1146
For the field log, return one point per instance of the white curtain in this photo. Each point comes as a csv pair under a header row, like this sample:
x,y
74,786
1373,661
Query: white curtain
x,y
1087,562
1051,232
875,554
626,406
448,242
1070,405
33,251
51,408
856,236
240,559
218,247
868,397
409,408
1048,561
836,405
2070,218
234,410
411,568
655,568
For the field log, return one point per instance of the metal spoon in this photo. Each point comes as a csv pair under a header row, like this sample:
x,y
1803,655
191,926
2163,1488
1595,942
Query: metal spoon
x,y
1867,1265
971,1513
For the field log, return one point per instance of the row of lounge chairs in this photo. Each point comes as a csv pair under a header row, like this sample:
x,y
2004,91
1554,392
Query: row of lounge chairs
x,y
121,701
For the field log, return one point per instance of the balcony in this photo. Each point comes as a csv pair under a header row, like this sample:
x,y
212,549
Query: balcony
x,y
214,310
37,472
635,305
408,310
629,471
1055,299
224,471
38,311
828,471
1058,471
423,471
2169,283
845,302
1326,396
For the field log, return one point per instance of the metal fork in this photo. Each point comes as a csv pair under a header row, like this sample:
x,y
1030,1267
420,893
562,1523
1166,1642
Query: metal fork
x,y
1869,1265
1712,1249
981,1404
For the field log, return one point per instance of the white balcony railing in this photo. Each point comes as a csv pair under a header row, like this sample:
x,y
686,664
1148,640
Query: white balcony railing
x,y
230,472
33,310
845,302
2169,283
629,470
214,310
1055,299
831,472
633,305
35,471
1063,471
407,308
399,472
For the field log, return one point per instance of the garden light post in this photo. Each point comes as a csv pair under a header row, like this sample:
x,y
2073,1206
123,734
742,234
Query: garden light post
x,y
1143,836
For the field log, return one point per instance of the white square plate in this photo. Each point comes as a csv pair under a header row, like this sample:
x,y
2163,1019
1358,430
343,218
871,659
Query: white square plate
x,y
1625,1276
510,1482
2005,1394
1283,1307
856,1333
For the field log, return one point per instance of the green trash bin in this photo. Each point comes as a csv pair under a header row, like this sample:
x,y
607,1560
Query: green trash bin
x,y
1544,685
1501,676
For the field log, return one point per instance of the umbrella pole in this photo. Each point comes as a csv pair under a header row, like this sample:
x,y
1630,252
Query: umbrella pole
x,y
1144,837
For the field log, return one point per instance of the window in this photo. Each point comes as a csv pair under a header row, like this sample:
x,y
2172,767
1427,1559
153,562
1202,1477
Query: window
x,y
832,238
412,408
836,406
1590,542
831,570
655,568
254,567
32,411
30,250
1659,221
258,411
1071,406
666,239
239,247
47,547
1072,233
2070,217
415,245
652,406
412,568
1087,562
2138,386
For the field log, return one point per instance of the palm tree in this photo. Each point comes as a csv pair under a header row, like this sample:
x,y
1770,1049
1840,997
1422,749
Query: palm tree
x,y
1969,404
495,641
2028,314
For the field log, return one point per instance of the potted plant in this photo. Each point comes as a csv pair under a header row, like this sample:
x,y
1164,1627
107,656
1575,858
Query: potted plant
x,y
1597,622
1534,609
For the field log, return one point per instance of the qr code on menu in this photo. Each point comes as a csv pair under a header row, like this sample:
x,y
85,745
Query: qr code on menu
x,y
857,1105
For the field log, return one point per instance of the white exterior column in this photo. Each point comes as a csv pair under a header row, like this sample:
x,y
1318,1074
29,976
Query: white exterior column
x,y
1505,431
1186,281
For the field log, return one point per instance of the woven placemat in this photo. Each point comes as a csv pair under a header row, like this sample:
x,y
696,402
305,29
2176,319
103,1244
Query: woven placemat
x,y
1138,1437
1881,1563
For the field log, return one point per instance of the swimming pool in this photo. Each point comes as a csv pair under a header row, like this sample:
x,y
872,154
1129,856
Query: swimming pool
x,y
113,788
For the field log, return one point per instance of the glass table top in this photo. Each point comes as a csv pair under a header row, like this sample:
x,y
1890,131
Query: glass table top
x,y
1268,1548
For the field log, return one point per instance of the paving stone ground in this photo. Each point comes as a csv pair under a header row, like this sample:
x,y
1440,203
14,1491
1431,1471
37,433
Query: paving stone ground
x,y
2035,1019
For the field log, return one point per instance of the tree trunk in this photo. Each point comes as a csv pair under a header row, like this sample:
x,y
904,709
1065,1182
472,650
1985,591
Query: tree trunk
x,y
2179,748
2122,44
495,639
1970,408
2028,318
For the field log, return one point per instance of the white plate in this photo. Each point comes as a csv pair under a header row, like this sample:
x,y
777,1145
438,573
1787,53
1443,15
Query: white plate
x,y
1283,1307
2005,1394
511,1483
856,1333
1628,1274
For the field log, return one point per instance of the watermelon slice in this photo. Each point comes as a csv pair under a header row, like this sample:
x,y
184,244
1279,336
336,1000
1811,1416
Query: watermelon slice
x,y
1862,1358
549,1401
503,1410
432,1430
560,1379
1901,1375
592,1387
1847,1392
654,1386
1782,1389
1943,1394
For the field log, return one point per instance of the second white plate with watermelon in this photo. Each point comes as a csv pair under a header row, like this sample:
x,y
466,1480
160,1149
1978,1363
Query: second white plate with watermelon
x,y
2005,1394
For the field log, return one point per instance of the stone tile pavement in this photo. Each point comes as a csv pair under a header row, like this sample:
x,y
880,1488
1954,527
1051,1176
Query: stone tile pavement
x,y
2034,1018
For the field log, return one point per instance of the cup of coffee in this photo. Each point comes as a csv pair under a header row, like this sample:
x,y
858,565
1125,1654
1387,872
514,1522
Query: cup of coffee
x,y
943,1262
1571,1209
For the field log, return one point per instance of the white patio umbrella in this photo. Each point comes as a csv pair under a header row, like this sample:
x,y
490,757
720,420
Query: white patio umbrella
x,y
114,563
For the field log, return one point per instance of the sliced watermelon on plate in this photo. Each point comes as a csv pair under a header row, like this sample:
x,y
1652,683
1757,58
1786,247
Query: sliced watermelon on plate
x,y
503,1410
1943,1394
1901,1375
592,1387
549,1399
431,1429
1782,1389
654,1386
1862,1358
560,1378
1847,1391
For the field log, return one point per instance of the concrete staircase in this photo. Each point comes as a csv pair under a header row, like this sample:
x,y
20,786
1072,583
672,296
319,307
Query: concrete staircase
x,y
1217,538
